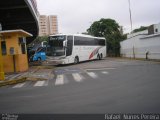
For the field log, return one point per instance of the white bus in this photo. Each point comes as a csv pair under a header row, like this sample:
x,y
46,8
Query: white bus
x,y
65,49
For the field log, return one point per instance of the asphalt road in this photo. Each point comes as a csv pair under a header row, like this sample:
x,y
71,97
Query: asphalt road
x,y
106,86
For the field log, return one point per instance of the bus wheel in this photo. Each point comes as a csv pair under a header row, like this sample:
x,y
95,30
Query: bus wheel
x,y
101,56
98,57
76,60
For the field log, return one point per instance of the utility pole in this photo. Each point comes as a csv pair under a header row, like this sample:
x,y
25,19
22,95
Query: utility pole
x,y
91,27
130,13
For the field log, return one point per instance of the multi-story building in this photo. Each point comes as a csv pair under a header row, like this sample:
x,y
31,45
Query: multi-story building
x,y
48,25
43,25
53,26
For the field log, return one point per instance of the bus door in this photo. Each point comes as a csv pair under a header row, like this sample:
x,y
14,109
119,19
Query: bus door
x,y
69,47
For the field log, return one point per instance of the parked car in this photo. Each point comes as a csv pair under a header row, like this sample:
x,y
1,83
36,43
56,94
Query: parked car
x,y
38,55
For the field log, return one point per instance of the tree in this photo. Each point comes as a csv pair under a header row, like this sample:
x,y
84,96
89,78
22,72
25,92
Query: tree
x,y
140,29
41,38
38,40
109,29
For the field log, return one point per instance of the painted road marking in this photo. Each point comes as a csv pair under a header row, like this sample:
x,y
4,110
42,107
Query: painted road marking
x,y
77,77
92,74
46,83
72,70
59,80
100,69
39,83
105,72
19,85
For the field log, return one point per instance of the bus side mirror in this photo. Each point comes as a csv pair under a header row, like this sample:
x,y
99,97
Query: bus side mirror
x,y
64,43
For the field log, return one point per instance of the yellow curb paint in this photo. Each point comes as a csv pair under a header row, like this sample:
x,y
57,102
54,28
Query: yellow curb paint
x,y
11,82
2,76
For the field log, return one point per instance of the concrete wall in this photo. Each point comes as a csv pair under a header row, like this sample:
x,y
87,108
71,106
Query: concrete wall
x,y
139,45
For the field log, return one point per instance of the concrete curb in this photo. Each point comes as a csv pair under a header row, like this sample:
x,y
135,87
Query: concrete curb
x,y
139,59
44,67
11,82
29,78
23,79
35,79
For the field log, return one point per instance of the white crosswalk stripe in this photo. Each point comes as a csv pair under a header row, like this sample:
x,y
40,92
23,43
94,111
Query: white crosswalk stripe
x,y
77,77
59,80
39,83
105,72
63,79
92,74
19,85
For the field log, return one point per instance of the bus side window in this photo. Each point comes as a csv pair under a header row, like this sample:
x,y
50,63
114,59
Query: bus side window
x,y
69,45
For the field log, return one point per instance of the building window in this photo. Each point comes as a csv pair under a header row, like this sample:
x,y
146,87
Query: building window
x,y
3,47
156,30
23,48
22,42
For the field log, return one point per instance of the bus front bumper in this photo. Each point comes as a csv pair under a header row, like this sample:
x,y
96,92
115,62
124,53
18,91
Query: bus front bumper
x,y
56,61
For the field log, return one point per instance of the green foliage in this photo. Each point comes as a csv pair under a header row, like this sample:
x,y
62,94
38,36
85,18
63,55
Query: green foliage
x,y
38,40
41,38
109,29
140,29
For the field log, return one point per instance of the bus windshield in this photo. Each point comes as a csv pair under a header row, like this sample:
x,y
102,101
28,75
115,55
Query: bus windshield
x,y
56,46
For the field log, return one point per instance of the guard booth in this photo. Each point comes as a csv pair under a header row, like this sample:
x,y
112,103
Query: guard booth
x,y
13,51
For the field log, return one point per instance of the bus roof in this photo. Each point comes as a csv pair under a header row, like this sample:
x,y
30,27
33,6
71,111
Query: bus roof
x,y
80,35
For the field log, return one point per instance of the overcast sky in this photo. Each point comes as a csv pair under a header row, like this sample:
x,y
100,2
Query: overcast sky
x,y
75,16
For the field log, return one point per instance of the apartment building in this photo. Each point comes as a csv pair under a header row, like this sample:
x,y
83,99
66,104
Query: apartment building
x,y
53,26
48,25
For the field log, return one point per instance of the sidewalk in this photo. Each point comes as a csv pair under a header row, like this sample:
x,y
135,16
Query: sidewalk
x,y
35,73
